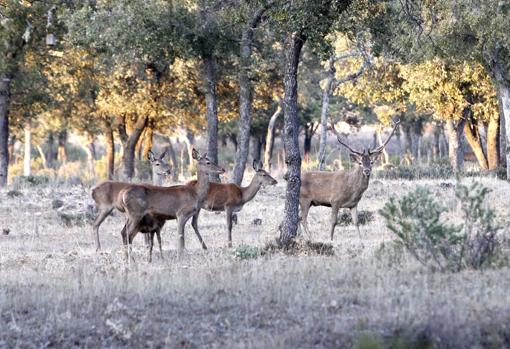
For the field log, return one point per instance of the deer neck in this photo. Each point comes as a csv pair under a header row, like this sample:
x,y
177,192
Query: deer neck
x,y
251,190
157,179
202,187
359,180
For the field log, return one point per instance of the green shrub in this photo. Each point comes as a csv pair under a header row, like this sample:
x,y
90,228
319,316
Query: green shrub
x,y
418,222
245,252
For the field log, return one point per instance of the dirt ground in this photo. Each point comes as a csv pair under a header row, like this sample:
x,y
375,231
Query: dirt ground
x,y
56,291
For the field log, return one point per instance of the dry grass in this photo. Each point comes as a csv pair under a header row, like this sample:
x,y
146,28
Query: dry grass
x,y
55,291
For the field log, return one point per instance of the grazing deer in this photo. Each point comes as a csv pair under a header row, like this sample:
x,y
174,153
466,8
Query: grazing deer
x,y
179,202
106,193
230,197
341,189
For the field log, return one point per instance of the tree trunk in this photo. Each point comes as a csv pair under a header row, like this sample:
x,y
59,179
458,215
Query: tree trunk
x,y
4,130
435,141
256,148
148,140
504,98
324,114
473,137
61,153
12,156
455,144
110,150
493,142
190,141
268,152
245,98
91,155
129,146
307,143
42,155
502,133
408,148
289,225
27,155
211,104
398,135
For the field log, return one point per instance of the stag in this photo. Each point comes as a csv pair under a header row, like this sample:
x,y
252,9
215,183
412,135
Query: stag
x,y
106,194
180,202
341,189
231,198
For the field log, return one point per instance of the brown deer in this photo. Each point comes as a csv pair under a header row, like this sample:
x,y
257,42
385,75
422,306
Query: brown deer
x,y
106,193
341,189
179,202
231,198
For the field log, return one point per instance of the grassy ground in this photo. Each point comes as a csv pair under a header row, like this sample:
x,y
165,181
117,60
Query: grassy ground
x,y
56,291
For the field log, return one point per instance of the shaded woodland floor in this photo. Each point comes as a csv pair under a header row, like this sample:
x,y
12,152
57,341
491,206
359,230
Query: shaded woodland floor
x,y
56,291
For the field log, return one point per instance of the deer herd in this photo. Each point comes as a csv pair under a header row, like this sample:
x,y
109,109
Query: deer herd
x,y
147,207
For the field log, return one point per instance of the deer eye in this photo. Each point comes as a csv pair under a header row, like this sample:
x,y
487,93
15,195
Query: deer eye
x,y
157,164
208,162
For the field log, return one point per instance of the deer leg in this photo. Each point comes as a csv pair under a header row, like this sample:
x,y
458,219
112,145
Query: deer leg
x,y
181,221
131,231
333,219
194,224
158,235
305,207
97,222
146,239
354,215
229,212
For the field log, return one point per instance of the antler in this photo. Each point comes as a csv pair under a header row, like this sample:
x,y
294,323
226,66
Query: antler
x,y
341,142
381,147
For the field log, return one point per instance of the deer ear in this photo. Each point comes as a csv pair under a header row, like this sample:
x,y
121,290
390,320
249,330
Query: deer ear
x,y
254,164
150,155
355,157
195,154
375,156
162,156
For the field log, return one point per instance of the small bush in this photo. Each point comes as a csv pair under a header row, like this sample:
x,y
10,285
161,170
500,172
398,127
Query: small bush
x,y
298,247
30,181
244,252
14,193
418,221
416,172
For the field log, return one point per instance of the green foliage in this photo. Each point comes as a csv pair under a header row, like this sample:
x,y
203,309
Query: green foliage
x,y
419,223
438,171
369,341
245,252
30,181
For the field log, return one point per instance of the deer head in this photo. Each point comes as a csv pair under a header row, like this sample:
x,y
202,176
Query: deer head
x,y
159,165
367,157
261,176
205,165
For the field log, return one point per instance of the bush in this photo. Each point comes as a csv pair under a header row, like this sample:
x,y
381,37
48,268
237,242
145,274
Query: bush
x,y
418,221
30,181
244,252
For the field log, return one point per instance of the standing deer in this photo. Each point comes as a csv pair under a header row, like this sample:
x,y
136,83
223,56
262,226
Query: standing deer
x,y
106,193
341,189
230,197
179,202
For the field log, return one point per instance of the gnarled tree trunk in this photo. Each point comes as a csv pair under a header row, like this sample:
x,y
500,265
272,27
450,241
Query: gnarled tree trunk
x,y
330,77
211,105
475,141
4,130
129,145
268,152
289,225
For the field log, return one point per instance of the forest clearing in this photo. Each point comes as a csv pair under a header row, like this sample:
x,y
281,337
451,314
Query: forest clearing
x,y
57,291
